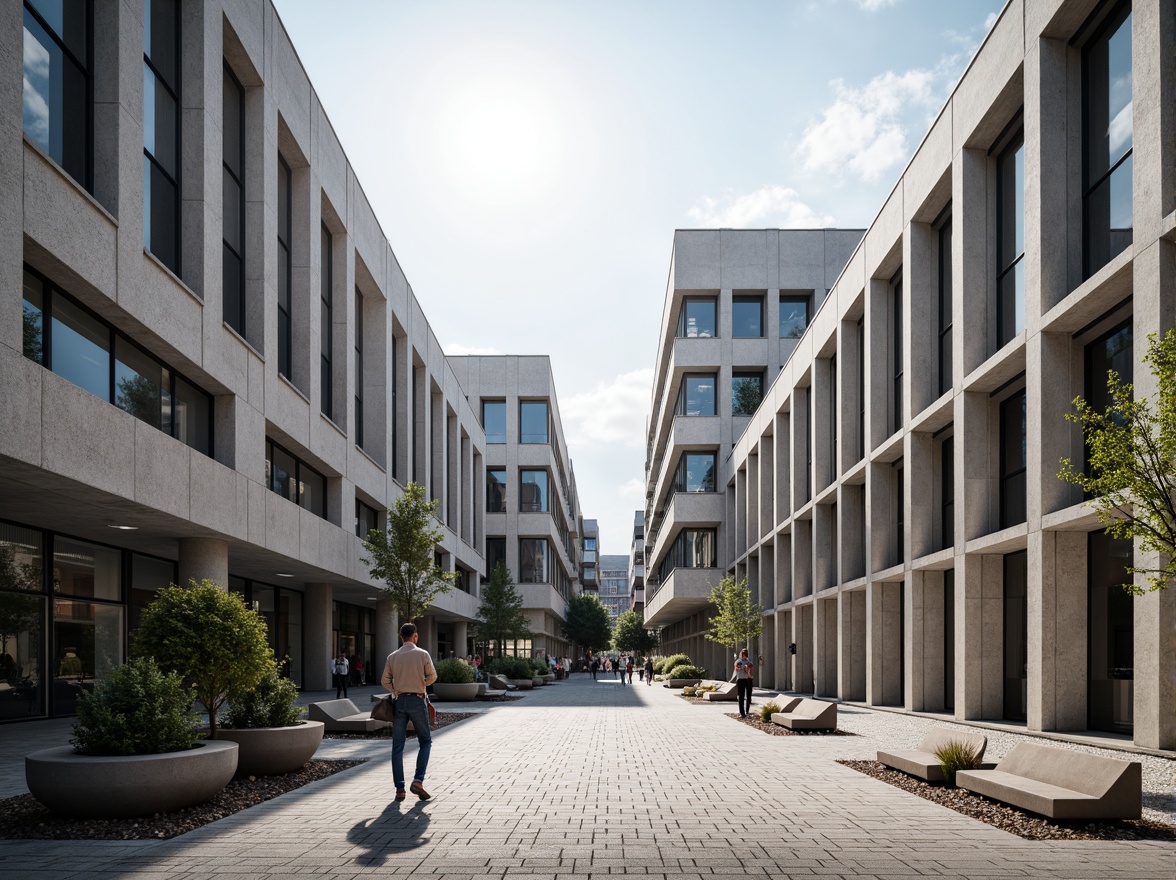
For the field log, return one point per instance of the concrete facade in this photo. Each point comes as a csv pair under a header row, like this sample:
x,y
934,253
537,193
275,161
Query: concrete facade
x,y
74,465
919,567
717,272
519,515
637,564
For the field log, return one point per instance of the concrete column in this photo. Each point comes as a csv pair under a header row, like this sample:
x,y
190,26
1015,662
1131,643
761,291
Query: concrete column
x,y
204,558
460,634
1058,635
851,645
387,630
317,636
979,651
925,623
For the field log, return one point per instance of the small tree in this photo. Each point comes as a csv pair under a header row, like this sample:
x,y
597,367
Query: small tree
x,y
206,636
1131,451
500,616
588,623
403,556
631,636
737,619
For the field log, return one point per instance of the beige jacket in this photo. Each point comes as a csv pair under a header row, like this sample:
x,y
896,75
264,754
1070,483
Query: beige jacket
x,y
408,670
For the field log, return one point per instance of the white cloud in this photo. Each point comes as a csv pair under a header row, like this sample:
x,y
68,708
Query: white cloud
x,y
612,412
990,20
634,489
863,132
456,349
767,207
875,5
36,56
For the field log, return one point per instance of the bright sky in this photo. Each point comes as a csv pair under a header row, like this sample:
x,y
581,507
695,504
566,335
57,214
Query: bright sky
x,y
530,160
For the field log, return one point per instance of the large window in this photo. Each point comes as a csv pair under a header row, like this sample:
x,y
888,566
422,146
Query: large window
x,y
495,553
947,492
367,519
533,427
896,353
326,330
861,389
294,480
697,318
285,270
747,316
161,131
945,314
233,202
1016,635
358,353
494,420
1013,456
697,397
1111,634
533,491
1010,240
794,314
696,472
747,390
899,513
496,490
75,344
692,548
1111,351
57,88
1107,140
534,561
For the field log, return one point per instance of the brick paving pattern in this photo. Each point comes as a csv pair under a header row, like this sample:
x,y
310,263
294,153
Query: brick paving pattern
x,y
585,779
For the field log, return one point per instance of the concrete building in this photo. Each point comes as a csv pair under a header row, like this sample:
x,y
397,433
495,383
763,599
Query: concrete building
x,y
589,561
222,371
637,564
533,520
894,500
614,585
737,303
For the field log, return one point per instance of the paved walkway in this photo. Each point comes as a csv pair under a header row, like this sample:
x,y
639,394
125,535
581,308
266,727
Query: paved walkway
x,y
582,779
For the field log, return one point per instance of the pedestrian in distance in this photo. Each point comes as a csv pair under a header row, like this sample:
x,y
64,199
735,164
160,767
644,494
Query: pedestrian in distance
x,y
629,668
340,670
649,671
595,665
407,673
619,666
742,679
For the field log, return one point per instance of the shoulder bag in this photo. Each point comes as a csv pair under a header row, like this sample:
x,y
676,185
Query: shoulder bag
x,y
385,709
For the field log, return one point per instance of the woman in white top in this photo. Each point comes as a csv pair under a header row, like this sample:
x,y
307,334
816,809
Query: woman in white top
x,y
742,676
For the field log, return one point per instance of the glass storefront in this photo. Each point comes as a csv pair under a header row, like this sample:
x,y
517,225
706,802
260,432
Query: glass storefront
x,y
282,610
22,613
1111,635
355,635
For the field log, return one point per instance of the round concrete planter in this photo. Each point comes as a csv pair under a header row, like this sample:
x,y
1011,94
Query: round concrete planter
x,y
453,692
548,678
537,681
272,751
124,786
682,682
523,684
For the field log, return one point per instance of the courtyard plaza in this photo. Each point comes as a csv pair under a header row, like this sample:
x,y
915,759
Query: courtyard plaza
x,y
587,778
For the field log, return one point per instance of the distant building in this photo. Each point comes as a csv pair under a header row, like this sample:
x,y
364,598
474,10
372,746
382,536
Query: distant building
x,y
637,564
614,584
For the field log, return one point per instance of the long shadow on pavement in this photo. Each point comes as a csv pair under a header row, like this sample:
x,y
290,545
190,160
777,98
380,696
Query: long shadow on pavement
x,y
393,831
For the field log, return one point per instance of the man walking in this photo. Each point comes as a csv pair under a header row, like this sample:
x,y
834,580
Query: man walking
x,y
340,670
408,671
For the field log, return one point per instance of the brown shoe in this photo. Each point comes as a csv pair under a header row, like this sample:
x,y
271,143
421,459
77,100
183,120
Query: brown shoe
x,y
400,794
419,790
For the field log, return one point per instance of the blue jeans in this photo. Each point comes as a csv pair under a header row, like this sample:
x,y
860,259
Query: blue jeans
x,y
410,707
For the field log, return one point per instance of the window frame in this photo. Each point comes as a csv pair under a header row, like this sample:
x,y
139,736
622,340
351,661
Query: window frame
x,y
299,466
805,299
526,477
747,299
944,304
1010,476
504,490
494,401
681,409
285,269
327,325
358,353
239,322
523,435
687,301
1010,145
176,179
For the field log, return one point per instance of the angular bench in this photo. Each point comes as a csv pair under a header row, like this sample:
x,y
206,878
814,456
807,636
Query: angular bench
x,y
343,716
808,715
1061,783
500,683
922,761
724,691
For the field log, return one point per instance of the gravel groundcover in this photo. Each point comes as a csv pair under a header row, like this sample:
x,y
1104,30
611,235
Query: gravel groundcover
x,y
1011,819
778,730
23,818
444,719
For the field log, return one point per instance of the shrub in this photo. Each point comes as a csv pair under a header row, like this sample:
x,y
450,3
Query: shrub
x,y
689,691
766,710
454,671
686,671
708,688
271,704
511,667
540,666
138,710
672,661
955,755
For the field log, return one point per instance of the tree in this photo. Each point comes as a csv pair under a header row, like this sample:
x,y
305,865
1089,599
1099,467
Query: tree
x,y
737,619
403,556
500,616
206,636
588,624
631,636
1131,453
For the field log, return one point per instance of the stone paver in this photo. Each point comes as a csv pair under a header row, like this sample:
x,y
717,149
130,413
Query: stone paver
x,y
585,779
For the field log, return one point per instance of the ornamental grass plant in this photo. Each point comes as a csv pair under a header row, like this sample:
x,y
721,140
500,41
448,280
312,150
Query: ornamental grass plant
x,y
768,709
955,755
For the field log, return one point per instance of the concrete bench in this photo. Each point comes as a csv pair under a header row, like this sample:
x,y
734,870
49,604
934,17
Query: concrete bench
x,y
808,715
343,716
922,761
724,691
500,683
1061,783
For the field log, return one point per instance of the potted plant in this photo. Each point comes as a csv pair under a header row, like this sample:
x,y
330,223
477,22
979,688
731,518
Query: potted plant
x,y
517,670
683,675
455,681
135,751
265,723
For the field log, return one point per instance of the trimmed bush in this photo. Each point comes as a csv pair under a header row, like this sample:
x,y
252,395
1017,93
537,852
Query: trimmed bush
x,y
672,661
767,709
540,666
686,671
273,703
138,710
955,755
454,671
511,667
